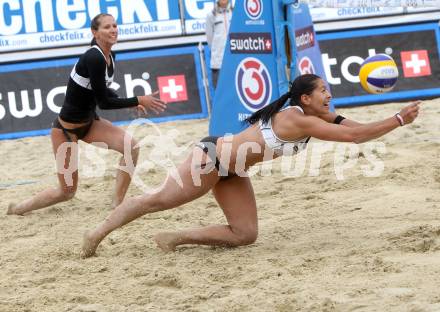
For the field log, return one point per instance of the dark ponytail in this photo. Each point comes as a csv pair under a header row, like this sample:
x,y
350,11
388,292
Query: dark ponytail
x,y
304,84
268,111
95,23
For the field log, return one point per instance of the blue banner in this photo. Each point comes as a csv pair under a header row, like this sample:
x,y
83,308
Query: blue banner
x,y
254,67
44,24
308,54
195,15
248,77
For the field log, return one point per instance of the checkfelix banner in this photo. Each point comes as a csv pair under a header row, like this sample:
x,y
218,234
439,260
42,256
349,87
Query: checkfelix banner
x,y
255,63
42,24
26,24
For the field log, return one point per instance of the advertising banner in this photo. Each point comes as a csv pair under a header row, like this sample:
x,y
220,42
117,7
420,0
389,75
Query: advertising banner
x,y
337,14
195,12
308,54
255,63
248,74
43,24
51,23
54,23
415,48
31,94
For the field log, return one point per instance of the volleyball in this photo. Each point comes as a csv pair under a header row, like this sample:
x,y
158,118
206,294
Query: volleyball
x,y
378,74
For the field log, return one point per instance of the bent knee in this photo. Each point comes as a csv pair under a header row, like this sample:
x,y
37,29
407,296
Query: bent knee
x,y
130,145
154,202
130,154
246,237
66,193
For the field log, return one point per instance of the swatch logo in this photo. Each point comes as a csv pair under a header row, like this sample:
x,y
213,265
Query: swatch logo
x,y
304,38
250,43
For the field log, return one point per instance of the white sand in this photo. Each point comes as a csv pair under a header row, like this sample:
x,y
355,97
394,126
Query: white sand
x,y
357,244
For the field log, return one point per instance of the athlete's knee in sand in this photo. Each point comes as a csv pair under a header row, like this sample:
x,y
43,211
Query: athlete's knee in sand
x,y
67,193
246,235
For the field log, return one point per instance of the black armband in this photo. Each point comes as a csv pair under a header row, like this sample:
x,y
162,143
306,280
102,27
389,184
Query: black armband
x,y
338,119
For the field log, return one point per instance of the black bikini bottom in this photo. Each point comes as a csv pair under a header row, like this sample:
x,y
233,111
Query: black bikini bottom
x,y
210,150
79,132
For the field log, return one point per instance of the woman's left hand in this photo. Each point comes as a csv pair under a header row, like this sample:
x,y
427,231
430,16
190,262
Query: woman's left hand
x,y
151,102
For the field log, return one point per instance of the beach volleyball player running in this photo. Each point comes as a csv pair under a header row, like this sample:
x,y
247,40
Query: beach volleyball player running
x,y
272,129
86,89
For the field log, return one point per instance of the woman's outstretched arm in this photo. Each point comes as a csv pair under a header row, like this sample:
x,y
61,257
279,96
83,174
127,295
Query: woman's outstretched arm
x,y
320,129
331,117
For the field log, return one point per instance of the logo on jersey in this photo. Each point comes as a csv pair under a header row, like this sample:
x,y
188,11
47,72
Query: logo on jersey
x,y
253,8
253,83
305,66
415,63
172,88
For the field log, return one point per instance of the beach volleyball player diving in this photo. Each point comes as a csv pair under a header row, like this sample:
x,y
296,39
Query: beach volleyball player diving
x,y
272,129
87,88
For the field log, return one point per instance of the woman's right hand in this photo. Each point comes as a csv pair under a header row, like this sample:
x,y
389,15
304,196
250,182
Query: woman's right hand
x,y
150,102
410,112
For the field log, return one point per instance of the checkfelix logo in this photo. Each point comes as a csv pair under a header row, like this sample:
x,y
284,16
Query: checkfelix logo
x,y
253,83
415,63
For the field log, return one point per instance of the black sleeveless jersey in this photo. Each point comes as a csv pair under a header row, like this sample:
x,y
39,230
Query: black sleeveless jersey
x,y
88,87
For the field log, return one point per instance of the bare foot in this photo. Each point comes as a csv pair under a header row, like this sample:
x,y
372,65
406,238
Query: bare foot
x,y
11,210
89,246
166,241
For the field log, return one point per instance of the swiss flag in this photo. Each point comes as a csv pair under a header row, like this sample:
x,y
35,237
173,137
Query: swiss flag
x,y
415,63
172,88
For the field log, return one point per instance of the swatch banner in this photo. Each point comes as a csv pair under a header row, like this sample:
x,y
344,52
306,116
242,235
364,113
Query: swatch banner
x,y
248,77
415,49
308,54
253,73
29,107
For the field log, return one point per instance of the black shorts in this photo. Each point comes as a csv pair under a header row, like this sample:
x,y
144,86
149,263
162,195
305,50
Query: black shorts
x,y
208,144
79,132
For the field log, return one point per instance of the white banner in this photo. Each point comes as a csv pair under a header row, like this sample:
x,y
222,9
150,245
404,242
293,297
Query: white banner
x,y
84,36
328,14
371,3
43,24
